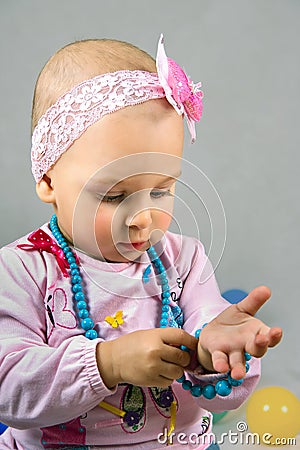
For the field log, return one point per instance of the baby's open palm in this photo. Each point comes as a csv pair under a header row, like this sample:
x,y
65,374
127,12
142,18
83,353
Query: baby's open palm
x,y
225,339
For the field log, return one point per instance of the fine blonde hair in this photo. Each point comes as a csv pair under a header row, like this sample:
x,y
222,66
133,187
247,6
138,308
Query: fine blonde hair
x,y
82,60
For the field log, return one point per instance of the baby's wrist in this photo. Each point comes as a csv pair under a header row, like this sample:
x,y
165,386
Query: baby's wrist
x,y
105,364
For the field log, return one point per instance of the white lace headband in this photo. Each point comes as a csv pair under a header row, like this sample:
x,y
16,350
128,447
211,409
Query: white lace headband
x,y
86,103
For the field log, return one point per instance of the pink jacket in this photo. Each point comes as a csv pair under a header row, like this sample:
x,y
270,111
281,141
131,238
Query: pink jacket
x,y
50,387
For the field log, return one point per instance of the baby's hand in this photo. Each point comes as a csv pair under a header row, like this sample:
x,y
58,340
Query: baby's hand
x,y
224,340
145,358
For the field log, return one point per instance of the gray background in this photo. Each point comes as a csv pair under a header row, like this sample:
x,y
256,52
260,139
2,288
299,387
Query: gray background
x,y
246,53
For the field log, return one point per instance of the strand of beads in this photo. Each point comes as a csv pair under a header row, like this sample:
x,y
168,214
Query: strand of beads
x,y
222,387
76,280
165,288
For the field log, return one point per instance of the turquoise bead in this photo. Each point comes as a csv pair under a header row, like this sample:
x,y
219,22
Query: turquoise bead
x,y
73,266
82,304
164,322
166,294
209,391
165,315
79,296
181,379
152,251
187,385
76,288
196,390
235,382
165,301
184,348
247,366
247,356
87,324
197,333
74,272
83,313
223,388
91,334
165,308
71,260
76,279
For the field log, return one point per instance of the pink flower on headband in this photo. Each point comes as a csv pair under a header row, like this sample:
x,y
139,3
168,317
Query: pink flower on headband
x,y
181,93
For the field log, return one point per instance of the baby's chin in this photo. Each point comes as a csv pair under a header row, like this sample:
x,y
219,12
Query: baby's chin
x,y
117,256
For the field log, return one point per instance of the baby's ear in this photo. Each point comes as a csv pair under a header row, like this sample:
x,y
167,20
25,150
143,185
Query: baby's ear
x,y
44,190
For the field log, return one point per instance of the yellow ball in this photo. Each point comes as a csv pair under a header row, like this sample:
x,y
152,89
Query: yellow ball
x,y
274,414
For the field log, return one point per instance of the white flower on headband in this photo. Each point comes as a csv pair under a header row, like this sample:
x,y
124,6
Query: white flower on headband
x,y
88,96
44,126
181,93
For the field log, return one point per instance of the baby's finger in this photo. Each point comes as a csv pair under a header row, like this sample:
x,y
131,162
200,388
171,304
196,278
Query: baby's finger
x,y
178,337
220,361
170,371
254,301
263,341
275,336
237,365
259,346
176,356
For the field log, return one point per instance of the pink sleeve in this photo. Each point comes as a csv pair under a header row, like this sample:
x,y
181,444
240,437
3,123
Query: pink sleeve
x,y
201,301
40,385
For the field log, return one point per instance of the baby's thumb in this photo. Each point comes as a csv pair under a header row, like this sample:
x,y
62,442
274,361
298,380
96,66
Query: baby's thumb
x,y
254,300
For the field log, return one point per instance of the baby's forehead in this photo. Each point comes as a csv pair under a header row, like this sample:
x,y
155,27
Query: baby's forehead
x,y
148,165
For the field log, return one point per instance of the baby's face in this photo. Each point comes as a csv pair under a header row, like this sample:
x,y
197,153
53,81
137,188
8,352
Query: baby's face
x,y
114,187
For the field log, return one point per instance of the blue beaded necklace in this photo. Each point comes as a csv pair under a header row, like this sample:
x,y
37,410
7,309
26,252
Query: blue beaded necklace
x,y
223,387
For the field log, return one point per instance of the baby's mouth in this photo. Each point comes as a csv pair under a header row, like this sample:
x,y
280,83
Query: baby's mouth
x,y
139,245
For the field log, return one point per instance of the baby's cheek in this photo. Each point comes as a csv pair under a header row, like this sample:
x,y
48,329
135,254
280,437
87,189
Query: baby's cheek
x,y
102,225
164,220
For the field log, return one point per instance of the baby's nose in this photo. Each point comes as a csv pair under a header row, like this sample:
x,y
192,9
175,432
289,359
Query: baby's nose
x,y
141,219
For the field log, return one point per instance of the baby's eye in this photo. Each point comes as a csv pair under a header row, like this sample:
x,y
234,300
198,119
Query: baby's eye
x,y
161,193
110,198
